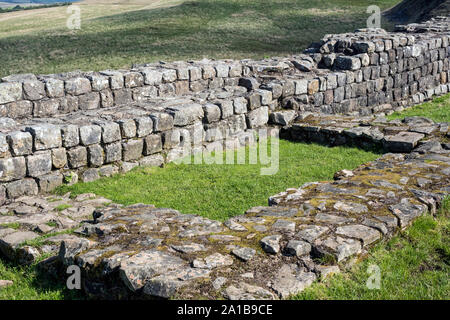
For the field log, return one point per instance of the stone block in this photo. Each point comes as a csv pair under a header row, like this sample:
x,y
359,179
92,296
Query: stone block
x,y
133,79
46,108
17,110
95,155
152,144
258,117
89,101
21,143
127,128
77,157
45,136
132,149
90,134
70,136
186,114
59,158
144,126
19,188
162,121
39,163
110,132
54,88
10,92
113,152
77,86
49,182
33,90
12,169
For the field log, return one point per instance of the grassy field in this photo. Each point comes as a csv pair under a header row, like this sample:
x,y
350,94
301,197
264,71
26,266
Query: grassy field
x,y
114,35
221,191
438,110
413,265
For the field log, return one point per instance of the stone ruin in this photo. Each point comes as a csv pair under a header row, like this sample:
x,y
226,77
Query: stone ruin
x,y
62,128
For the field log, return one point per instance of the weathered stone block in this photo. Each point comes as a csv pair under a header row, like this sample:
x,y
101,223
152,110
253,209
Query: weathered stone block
x,y
77,157
127,128
39,163
169,75
110,132
19,188
10,92
402,142
59,158
90,134
90,175
133,79
113,152
155,160
70,136
99,82
123,96
240,105
258,117
212,112
33,90
68,104
45,136
21,143
49,182
12,169
95,155
77,86
132,149
153,144
162,121
152,77
186,114
144,126
17,110
89,101
348,63
54,88
45,108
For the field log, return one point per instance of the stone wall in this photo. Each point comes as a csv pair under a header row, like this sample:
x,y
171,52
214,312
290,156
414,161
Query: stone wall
x,y
58,128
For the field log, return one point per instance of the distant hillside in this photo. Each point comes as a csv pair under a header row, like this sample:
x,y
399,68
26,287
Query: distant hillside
x,y
417,10
34,1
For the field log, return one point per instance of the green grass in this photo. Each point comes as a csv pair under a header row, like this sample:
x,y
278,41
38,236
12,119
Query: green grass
x,y
438,110
221,191
63,207
32,284
114,36
414,265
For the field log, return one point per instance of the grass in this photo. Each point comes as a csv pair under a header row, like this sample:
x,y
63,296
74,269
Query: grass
x,y
32,284
221,191
438,110
414,265
140,31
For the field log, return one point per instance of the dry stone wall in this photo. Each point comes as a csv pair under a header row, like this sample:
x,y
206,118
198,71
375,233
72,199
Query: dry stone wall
x,y
84,125
56,129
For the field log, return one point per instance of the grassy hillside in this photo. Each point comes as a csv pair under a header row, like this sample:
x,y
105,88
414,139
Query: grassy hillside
x,y
116,34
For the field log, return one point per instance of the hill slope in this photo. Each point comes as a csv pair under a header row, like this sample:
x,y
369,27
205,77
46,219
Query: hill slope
x,y
417,10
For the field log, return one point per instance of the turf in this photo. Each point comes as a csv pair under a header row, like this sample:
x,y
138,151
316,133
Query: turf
x,y
438,110
221,191
117,35
413,265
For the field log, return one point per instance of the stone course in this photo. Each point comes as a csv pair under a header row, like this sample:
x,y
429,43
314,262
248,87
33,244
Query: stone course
x,y
57,129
